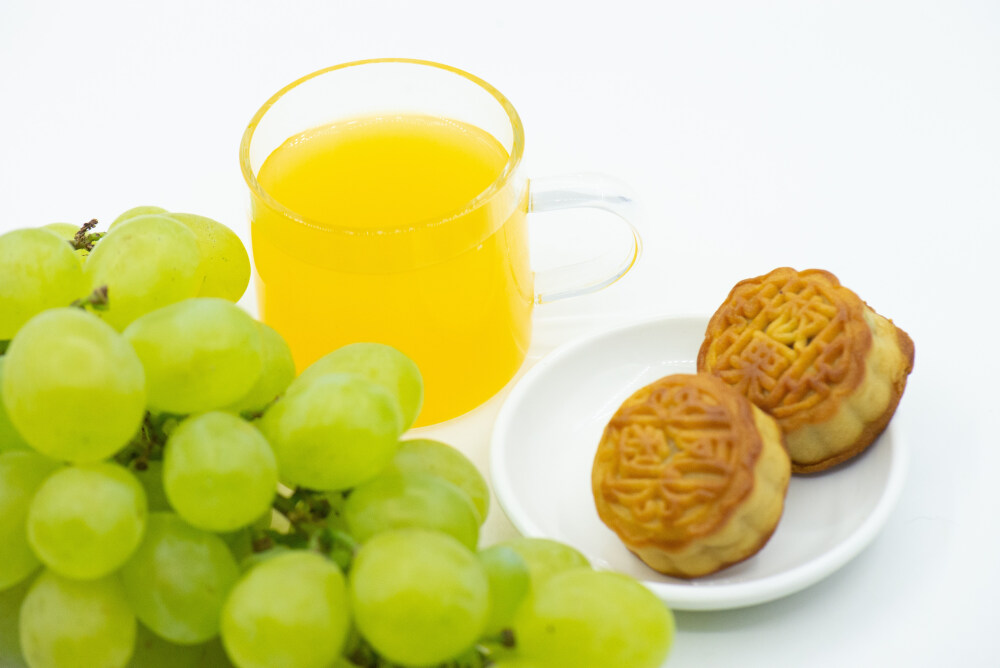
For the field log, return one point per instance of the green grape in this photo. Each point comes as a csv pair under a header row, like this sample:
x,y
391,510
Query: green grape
x,y
224,260
290,610
585,618
178,579
151,479
510,581
395,501
436,458
86,520
199,354
73,387
379,363
219,472
146,262
276,375
21,474
419,597
225,264
76,624
9,438
38,271
335,433
10,614
545,557
135,212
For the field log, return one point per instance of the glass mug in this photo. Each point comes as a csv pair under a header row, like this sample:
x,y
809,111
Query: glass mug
x,y
387,204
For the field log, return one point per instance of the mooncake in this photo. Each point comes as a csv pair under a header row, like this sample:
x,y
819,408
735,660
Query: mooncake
x,y
813,355
690,475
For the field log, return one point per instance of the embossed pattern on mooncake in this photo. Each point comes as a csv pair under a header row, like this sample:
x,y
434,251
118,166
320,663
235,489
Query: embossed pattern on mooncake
x,y
676,459
803,348
789,341
690,475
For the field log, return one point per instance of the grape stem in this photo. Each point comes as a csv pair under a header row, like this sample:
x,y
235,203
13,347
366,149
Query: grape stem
x,y
148,443
313,518
84,238
96,300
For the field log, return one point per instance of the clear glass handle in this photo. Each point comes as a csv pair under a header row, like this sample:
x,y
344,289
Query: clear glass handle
x,y
594,191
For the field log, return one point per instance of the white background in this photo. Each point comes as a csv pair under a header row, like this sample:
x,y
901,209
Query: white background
x,y
860,137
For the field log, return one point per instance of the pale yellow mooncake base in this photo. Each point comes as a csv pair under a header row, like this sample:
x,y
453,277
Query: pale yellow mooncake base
x,y
864,414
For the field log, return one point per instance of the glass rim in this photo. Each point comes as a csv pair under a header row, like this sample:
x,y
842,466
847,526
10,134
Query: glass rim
x,y
500,182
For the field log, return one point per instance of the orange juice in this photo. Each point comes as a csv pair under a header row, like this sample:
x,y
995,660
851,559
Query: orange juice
x,y
398,229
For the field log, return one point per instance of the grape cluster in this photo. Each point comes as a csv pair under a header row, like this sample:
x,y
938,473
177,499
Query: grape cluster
x,y
171,494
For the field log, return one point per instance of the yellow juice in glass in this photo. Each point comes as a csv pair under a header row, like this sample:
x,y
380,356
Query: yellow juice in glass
x,y
398,229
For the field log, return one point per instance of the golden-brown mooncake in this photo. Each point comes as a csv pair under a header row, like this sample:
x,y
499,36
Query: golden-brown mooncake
x,y
813,355
690,475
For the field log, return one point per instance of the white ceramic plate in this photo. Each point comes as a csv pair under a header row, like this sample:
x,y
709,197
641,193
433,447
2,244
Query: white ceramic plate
x,y
547,432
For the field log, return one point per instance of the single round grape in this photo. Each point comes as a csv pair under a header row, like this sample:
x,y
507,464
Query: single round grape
x,y
290,610
76,624
225,263
510,582
277,372
394,500
419,597
135,212
544,557
593,619
178,579
436,458
22,472
73,387
146,263
380,364
10,439
219,472
86,520
199,354
38,271
335,433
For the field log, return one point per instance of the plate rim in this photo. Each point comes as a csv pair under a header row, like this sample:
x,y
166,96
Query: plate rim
x,y
685,596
